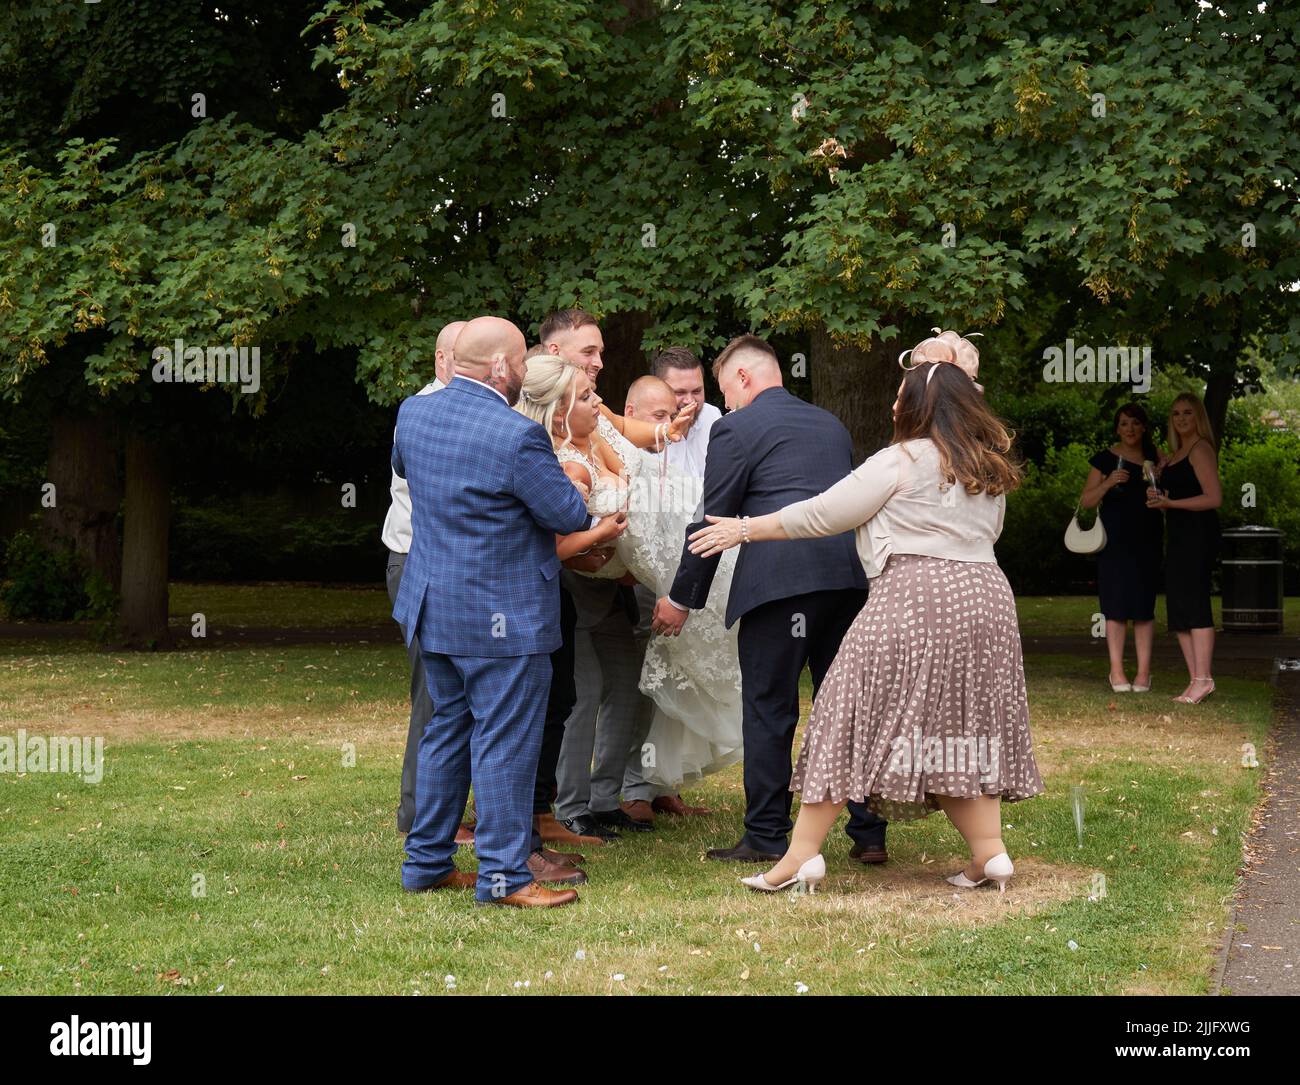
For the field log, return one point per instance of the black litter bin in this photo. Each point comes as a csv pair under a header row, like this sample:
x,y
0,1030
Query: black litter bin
x,y
1252,580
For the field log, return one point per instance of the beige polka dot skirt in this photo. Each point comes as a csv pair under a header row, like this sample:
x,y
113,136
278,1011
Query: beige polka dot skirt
x,y
926,696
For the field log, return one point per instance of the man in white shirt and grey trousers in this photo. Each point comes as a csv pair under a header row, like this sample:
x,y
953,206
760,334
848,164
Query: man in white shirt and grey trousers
x,y
397,537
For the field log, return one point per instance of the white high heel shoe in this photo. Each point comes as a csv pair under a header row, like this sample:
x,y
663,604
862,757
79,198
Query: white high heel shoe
x,y
807,877
998,869
1122,687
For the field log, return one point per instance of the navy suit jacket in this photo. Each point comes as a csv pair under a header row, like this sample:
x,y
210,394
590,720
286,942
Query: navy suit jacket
x,y
488,498
773,452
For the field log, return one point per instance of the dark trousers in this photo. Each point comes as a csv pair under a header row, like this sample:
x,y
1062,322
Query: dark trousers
x,y
421,705
776,640
559,704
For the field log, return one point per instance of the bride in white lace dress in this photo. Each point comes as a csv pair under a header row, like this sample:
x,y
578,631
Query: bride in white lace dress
x,y
694,678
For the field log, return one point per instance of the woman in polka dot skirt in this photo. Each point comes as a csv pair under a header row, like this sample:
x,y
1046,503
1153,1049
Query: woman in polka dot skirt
x,y
924,707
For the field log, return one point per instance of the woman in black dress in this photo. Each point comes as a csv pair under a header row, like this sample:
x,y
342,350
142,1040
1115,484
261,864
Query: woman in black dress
x,y
1128,567
1192,493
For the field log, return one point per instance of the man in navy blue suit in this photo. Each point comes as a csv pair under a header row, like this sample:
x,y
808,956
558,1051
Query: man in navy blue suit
x,y
795,599
480,594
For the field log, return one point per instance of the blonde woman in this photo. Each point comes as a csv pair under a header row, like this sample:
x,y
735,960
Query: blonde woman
x,y
1192,493
693,680
924,707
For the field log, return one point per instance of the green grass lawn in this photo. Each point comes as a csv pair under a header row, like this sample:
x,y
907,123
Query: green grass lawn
x,y
1072,615
232,847
274,605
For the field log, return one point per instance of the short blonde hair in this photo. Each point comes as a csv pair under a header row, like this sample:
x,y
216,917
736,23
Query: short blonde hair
x,y
548,383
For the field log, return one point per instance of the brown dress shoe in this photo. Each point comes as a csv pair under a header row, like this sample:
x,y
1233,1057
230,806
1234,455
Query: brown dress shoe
x,y
533,895
570,857
543,870
465,835
639,810
868,855
552,832
457,879
673,805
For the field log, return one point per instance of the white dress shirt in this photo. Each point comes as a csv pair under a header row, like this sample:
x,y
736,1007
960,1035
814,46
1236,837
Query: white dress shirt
x,y
397,524
687,455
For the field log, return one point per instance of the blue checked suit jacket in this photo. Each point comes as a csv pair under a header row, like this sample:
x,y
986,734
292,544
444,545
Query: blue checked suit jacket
x,y
487,499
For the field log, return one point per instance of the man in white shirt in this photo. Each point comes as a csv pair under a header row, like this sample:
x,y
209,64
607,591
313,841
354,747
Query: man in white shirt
x,y
684,374
397,537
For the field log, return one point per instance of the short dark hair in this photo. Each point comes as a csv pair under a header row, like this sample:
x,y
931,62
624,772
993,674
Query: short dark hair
x,y
563,320
743,343
674,358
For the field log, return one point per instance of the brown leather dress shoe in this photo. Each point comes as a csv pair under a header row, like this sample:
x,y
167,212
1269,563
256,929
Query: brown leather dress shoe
x,y
868,855
465,835
533,895
675,807
570,857
543,870
552,832
639,810
457,879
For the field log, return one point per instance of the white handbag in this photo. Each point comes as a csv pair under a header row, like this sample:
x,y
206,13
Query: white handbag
x,y
1085,542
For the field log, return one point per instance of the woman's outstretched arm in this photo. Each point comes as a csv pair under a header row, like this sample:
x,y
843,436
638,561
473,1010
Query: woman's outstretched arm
x,y
851,502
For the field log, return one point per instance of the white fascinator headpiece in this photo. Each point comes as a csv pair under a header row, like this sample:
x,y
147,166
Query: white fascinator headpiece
x,y
946,346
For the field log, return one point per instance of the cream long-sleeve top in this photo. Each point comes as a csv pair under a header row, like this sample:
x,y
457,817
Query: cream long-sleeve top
x,y
899,504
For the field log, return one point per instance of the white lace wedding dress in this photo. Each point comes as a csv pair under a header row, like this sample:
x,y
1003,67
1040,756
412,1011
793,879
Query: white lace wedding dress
x,y
693,678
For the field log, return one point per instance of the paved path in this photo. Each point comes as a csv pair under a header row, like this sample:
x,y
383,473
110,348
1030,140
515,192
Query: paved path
x,y
1261,950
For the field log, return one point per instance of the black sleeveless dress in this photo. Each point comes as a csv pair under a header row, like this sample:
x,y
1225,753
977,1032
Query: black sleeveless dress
x,y
1128,567
1193,548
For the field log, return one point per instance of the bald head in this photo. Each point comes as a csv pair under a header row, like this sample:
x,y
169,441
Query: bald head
x,y
651,399
443,365
491,350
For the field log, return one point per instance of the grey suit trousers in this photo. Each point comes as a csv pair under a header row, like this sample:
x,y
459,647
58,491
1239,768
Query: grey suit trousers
x,y
611,716
421,705
635,785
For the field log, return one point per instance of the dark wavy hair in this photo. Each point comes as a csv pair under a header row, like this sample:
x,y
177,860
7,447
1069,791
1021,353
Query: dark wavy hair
x,y
1138,413
975,445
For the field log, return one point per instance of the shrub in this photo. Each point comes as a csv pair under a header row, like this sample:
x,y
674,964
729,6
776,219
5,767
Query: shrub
x,y
1032,549
43,583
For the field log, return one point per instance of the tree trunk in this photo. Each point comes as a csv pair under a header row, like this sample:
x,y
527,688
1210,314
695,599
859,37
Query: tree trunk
x,y
83,468
144,545
1218,390
624,358
857,386
1223,377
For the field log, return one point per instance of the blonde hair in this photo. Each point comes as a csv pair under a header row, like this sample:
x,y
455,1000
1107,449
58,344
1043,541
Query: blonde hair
x,y
1198,412
548,383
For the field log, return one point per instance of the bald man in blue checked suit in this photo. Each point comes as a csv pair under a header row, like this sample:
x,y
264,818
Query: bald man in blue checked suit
x,y
480,591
